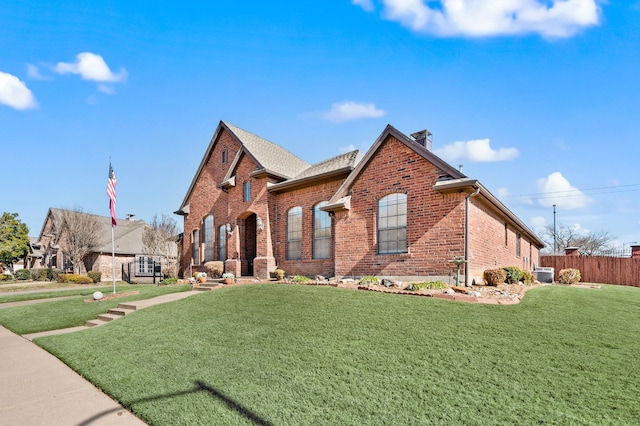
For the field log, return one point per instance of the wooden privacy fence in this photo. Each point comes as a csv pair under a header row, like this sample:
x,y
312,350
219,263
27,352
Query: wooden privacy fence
x,y
597,269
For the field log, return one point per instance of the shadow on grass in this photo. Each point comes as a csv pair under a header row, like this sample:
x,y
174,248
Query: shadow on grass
x,y
200,386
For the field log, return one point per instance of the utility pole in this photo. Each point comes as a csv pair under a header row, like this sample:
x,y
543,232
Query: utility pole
x,y
555,246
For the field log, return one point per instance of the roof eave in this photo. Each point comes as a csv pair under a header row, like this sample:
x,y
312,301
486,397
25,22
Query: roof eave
x,y
309,180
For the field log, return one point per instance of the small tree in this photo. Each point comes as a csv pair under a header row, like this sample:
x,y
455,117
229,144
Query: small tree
x,y
79,234
14,239
569,236
159,239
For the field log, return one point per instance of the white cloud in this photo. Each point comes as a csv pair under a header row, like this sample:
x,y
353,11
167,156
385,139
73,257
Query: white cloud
x,y
538,222
91,67
349,110
34,73
482,18
105,88
365,4
15,93
477,150
560,192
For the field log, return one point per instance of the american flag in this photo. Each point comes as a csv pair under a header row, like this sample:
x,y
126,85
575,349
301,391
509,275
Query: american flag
x,y
111,192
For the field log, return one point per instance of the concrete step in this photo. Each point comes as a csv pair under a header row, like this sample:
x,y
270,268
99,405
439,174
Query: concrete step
x,y
207,286
94,323
108,317
120,311
127,306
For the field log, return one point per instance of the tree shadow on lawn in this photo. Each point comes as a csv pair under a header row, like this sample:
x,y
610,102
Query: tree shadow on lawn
x,y
200,386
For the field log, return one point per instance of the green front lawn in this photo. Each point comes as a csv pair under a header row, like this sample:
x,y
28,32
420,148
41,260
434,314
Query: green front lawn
x,y
296,355
57,314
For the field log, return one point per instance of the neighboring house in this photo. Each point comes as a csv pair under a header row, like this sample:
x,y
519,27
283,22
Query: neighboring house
x,y
400,212
33,258
130,253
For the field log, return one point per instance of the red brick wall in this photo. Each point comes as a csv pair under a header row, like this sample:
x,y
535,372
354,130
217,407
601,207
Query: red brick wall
x,y
435,222
206,198
305,198
491,245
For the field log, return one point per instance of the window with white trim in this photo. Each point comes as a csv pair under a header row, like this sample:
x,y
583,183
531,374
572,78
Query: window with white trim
x,y
392,224
294,233
195,246
207,232
321,232
222,243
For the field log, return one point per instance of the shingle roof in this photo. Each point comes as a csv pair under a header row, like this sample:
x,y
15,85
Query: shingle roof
x,y
271,156
327,166
127,234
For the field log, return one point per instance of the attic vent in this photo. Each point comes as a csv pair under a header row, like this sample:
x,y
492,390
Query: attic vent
x,y
423,138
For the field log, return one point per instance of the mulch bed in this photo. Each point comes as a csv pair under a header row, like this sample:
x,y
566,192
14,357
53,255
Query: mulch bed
x,y
112,296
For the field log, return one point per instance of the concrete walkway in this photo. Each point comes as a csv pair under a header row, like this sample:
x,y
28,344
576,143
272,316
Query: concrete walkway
x,y
39,389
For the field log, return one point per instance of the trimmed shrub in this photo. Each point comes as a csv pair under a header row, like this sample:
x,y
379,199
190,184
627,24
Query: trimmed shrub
x,y
95,276
514,274
74,278
495,277
527,277
38,274
168,281
300,279
279,273
5,277
22,274
52,274
569,276
214,268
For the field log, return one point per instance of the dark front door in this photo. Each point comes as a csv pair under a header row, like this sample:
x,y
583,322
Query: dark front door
x,y
250,248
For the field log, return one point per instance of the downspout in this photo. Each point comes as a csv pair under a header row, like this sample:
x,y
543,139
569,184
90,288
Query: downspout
x,y
466,236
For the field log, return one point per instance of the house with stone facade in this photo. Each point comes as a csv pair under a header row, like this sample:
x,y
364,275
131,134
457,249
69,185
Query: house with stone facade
x,y
400,212
130,254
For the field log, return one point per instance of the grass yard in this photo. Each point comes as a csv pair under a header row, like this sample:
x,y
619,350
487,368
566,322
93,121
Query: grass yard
x,y
296,355
57,314
46,293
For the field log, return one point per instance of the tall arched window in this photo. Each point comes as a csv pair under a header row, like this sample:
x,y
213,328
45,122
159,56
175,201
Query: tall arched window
x,y
392,224
195,246
208,238
222,243
294,233
321,232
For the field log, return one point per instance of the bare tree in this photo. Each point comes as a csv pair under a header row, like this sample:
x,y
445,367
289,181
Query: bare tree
x,y
79,234
587,242
160,239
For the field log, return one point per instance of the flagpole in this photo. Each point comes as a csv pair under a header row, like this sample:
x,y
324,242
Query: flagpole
x,y
113,258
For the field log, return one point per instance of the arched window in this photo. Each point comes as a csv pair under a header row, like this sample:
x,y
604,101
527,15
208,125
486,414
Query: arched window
x,y
208,238
294,233
195,246
321,232
392,224
222,243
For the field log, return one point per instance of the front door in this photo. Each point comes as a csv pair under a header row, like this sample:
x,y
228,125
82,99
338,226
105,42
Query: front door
x,y
250,244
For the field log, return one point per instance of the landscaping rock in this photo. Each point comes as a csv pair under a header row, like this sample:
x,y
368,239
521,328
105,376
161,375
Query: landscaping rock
x,y
387,283
449,291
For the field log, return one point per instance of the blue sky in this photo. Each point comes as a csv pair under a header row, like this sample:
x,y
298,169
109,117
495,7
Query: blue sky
x,y
539,100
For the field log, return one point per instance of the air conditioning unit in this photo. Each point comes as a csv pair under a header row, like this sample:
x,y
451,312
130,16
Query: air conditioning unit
x,y
543,274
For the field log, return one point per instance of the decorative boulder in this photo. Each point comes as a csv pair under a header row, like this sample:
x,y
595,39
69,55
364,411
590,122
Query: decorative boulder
x,y
97,295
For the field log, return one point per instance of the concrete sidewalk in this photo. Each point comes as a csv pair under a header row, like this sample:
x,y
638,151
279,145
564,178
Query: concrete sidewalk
x,y
39,389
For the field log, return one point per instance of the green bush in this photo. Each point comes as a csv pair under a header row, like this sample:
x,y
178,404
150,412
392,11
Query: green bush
x,y
74,278
527,277
38,274
5,277
279,273
494,277
431,285
300,279
514,274
52,274
168,281
370,279
22,274
95,276
569,276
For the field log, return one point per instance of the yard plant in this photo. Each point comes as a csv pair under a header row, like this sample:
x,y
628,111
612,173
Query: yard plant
x,y
272,354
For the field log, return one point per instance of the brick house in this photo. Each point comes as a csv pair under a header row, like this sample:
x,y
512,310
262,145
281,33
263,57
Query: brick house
x,y
129,248
400,212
